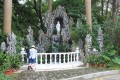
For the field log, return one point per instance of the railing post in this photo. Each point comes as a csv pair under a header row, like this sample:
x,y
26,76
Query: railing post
x,y
55,58
64,58
74,56
77,52
50,58
68,57
77,56
41,58
45,58
59,58
71,57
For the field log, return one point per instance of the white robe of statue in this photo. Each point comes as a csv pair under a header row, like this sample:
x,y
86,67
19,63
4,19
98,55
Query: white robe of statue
x,y
58,27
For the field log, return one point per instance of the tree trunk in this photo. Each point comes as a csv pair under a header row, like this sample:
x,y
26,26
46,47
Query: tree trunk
x,y
117,7
102,2
50,11
50,6
113,9
39,14
107,7
7,16
88,13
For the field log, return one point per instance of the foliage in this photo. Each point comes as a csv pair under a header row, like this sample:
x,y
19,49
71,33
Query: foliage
x,y
4,61
111,33
94,35
92,59
5,77
62,47
15,60
49,50
18,44
75,34
114,66
74,8
109,56
2,36
1,14
83,31
8,61
96,59
39,59
116,60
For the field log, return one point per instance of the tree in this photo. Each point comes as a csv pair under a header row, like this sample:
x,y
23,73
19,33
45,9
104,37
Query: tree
x,y
88,13
37,7
74,8
7,15
113,9
1,14
50,6
28,14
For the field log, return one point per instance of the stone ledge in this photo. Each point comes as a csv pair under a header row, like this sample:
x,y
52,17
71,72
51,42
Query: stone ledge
x,y
94,75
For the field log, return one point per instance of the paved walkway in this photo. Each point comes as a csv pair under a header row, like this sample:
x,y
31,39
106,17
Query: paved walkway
x,y
54,75
109,77
78,73
64,74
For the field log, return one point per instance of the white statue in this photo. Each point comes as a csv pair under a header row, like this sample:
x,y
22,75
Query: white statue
x,y
58,27
23,53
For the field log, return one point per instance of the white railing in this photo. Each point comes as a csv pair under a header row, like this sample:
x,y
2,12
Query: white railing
x,y
57,58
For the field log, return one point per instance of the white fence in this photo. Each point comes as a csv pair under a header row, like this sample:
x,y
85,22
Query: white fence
x,y
58,60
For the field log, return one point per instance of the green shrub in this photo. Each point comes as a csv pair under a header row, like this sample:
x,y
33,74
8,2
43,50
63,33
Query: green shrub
x,y
92,59
4,61
75,34
4,77
16,60
8,61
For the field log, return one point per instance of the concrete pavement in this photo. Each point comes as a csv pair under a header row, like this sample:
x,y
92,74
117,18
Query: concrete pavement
x,y
109,77
70,74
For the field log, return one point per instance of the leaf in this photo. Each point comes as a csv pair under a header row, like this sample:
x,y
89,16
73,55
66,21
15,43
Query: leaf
x,y
116,60
113,52
106,58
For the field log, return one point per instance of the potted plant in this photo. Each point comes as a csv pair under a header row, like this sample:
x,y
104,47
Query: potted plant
x,y
9,71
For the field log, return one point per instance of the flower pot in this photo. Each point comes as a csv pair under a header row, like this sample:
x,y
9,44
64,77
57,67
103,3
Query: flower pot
x,y
91,65
104,65
9,72
95,65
